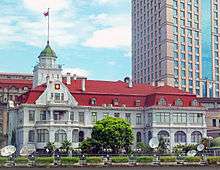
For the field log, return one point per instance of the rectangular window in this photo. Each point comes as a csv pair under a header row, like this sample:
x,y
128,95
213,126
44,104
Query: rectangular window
x,y
138,119
57,96
128,117
94,117
162,117
43,115
195,118
214,122
179,118
31,115
81,117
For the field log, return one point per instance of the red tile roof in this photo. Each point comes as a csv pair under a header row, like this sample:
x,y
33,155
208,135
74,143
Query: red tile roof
x,y
17,83
106,91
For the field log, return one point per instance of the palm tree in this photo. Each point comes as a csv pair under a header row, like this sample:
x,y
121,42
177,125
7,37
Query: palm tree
x,y
66,146
51,147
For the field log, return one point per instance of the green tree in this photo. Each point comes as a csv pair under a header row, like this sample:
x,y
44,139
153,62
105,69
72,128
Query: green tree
x,y
90,146
50,146
145,148
113,133
162,148
66,146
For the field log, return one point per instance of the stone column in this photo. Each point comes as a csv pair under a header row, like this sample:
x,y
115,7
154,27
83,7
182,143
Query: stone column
x,y
51,115
188,136
69,120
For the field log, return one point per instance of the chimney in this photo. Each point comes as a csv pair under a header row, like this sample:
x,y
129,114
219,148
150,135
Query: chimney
x,y
160,83
152,83
68,78
47,80
83,85
130,84
74,76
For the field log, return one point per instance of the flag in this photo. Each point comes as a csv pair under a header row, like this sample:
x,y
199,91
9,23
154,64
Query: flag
x,y
46,13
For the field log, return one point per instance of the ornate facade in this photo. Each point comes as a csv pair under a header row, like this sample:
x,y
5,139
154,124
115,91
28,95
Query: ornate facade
x,y
56,109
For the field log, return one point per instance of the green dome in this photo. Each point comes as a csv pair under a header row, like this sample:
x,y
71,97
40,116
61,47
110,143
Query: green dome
x,y
47,52
216,142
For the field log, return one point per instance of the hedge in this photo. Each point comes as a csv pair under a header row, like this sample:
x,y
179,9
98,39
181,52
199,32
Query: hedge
x,y
44,160
213,159
3,160
93,160
21,160
120,159
145,159
167,159
192,159
69,160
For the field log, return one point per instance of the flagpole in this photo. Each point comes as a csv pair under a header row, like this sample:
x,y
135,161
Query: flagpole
x,y
48,27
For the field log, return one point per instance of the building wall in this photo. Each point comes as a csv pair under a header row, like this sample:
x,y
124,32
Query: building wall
x,y
145,124
162,47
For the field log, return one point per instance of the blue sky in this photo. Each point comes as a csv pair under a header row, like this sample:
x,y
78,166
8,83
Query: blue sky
x,y
90,37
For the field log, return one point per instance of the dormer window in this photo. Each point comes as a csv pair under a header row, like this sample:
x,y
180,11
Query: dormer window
x,y
162,102
25,88
178,102
195,103
93,101
57,96
116,102
138,103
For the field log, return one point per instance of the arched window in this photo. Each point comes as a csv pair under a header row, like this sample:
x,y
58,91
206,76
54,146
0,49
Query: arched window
x,y
31,136
138,137
180,137
42,135
196,137
195,103
60,136
93,101
162,102
163,135
75,136
25,88
179,102
81,136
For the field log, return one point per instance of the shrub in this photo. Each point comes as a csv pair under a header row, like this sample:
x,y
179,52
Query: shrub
x,y
167,159
93,160
192,159
21,160
3,160
145,159
69,160
120,159
44,160
213,159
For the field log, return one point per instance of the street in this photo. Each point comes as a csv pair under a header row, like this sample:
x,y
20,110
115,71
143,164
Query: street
x,y
127,168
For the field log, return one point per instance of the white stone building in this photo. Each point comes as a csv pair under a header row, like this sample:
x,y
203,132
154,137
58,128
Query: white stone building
x,y
56,109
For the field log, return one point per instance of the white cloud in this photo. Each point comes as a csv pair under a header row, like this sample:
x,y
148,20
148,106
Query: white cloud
x,y
114,37
77,71
112,63
114,31
42,5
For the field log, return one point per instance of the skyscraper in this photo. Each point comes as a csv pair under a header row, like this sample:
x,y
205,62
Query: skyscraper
x,y
176,41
